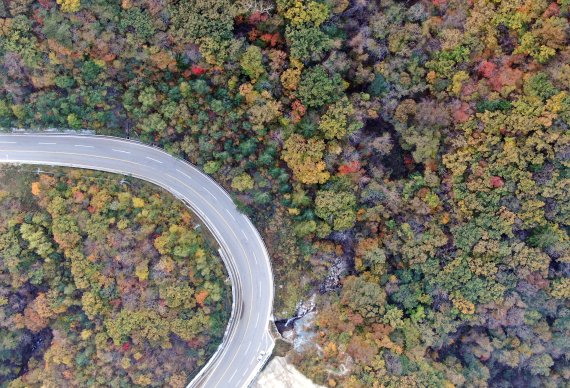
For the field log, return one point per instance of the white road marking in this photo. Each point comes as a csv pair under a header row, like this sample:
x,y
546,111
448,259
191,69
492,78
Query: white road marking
x,y
7,142
91,167
259,284
124,152
154,160
84,146
47,143
248,346
231,215
231,378
186,175
255,258
257,320
250,272
250,312
244,235
213,196
195,169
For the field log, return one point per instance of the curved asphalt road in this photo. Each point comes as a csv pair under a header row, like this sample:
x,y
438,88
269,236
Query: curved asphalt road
x,y
236,363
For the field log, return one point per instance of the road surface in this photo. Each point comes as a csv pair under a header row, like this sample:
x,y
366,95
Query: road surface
x,y
237,361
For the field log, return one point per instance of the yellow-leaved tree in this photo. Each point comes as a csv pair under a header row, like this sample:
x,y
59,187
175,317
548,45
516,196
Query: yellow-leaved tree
x,y
305,158
69,5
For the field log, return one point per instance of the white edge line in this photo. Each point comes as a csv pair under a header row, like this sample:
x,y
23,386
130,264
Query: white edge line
x,y
138,143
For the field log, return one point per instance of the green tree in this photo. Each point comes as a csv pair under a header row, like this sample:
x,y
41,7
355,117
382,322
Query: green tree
x,y
337,121
242,182
37,239
308,43
363,297
138,21
318,88
197,19
336,208
252,62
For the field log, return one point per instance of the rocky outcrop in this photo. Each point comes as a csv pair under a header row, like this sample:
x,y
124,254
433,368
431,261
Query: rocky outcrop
x,y
280,374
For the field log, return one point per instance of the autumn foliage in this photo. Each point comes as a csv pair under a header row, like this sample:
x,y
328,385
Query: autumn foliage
x,y
405,161
86,288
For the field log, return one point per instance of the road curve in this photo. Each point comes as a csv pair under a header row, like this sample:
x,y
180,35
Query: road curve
x,y
236,363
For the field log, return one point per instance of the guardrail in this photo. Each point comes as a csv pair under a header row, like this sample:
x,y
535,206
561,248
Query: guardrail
x,y
234,275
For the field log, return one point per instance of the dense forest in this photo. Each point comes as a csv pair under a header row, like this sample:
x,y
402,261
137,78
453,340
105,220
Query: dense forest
x,y
103,282
409,161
